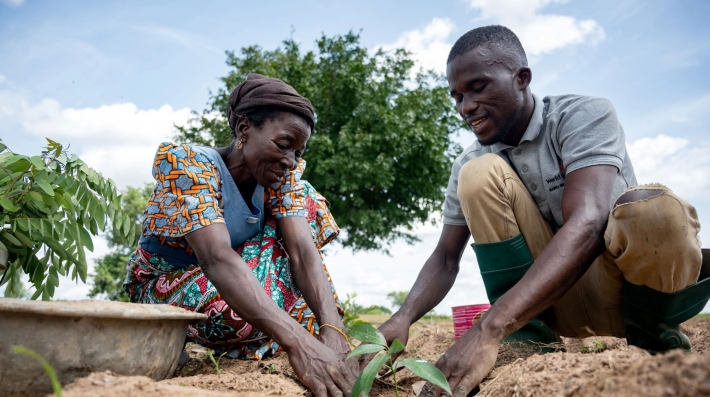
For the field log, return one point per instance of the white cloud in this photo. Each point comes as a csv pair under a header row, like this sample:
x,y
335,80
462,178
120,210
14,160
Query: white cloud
x,y
430,45
117,140
13,3
539,33
674,163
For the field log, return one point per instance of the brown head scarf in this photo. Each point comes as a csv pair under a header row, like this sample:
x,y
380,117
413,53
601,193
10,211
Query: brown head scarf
x,y
257,91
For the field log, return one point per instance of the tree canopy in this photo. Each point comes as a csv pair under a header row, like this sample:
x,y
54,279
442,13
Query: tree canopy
x,y
382,149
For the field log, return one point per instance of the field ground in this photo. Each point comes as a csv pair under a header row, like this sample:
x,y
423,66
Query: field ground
x,y
601,366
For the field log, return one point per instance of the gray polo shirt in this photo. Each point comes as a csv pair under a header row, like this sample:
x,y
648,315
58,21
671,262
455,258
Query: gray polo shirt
x,y
566,133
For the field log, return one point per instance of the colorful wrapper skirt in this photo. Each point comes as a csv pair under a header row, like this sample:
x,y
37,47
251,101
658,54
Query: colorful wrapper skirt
x,y
151,279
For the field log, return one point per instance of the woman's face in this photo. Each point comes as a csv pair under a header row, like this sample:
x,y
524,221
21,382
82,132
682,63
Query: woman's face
x,y
275,148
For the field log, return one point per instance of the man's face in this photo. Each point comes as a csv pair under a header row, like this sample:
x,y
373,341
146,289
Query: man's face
x,y
489,97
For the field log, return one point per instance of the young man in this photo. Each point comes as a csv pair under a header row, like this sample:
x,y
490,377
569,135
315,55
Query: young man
x,y
567,243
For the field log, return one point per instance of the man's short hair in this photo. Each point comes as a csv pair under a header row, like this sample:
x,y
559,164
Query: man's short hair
x,y
494,34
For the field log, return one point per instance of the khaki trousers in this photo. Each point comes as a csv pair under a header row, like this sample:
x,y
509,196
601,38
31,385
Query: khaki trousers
x,y
652,242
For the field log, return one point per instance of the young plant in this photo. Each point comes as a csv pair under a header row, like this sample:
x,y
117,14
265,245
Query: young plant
x,y
374,342
597,347
56,386
50,206
215,362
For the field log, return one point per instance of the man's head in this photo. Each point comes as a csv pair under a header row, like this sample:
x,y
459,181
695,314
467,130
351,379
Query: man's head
x,y
489,78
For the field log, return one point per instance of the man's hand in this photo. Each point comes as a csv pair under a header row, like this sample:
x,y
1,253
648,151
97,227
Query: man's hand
x,y
321,370
466,363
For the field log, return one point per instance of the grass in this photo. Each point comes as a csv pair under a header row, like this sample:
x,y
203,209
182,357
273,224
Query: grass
x,y
56,386
703,315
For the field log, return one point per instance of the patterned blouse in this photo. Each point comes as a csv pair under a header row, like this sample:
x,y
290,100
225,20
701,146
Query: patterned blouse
x,y
192,187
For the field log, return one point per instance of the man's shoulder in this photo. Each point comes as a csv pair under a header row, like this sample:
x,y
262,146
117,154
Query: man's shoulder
x,y
557,104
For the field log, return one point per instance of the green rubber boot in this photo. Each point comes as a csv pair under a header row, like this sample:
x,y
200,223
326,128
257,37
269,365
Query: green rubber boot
x,y
502,265
652,318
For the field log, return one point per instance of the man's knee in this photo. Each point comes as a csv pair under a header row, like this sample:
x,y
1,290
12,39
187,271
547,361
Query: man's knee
x,y
653,234
656,208
480,172
632,196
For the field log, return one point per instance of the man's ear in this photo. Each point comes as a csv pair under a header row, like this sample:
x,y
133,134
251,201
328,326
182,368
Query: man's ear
x,y
523,77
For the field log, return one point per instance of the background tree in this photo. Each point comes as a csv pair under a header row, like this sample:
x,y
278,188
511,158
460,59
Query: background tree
x,y
110,270
382,149
397,298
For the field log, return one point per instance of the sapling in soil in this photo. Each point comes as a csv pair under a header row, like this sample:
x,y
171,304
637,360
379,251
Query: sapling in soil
x,y
215,362
374,342
56,386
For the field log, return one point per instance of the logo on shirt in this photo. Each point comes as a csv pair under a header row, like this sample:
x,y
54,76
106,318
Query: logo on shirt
x,y
558,181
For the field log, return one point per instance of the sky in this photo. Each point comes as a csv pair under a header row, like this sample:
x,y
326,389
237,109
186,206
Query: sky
x,y
111,79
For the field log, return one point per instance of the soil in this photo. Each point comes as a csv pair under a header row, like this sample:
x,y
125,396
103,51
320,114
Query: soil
x,y
601,366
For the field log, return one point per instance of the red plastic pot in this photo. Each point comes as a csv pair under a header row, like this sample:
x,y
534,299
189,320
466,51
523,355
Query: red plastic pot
x,y
465,316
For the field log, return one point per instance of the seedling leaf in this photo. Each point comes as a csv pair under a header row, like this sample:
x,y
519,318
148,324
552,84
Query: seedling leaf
x,y
396,346
365,349
56,386
426,371
366,333
363,384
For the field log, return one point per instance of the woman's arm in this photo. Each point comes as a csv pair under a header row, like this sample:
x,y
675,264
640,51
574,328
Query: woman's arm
x,y
307,268
314,364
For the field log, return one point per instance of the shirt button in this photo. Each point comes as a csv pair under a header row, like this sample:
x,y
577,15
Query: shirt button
x,y
525,168
516,151
533,187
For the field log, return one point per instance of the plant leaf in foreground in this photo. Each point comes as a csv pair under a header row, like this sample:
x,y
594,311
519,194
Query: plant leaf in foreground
x,y
396,346
363,384
366,333
426,371
365,349
56,386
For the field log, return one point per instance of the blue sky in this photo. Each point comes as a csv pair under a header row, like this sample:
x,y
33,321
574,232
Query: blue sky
x,y
110,78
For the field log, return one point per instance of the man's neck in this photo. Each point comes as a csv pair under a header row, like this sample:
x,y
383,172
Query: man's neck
x,y
523,120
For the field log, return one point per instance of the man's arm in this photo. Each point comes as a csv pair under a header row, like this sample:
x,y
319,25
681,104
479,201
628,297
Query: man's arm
x,y
586,205
433,283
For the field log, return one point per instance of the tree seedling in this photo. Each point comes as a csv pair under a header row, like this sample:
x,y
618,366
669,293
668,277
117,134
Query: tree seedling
x,y
374,342
215,362
598,347
56,386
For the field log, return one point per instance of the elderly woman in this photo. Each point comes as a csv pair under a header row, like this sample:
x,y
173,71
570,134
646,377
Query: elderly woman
x,y
234,233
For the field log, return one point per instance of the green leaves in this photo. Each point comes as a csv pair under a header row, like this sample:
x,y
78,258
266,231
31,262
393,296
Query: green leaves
x,y
7,204
363,383
366,333
50,207
426,371
366,349
56,386
372,343
396,346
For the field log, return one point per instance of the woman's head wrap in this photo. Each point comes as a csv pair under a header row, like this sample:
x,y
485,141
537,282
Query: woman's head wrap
x,y
257,91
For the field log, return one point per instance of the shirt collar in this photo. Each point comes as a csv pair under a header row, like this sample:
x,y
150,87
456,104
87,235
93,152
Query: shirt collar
x,y
531,132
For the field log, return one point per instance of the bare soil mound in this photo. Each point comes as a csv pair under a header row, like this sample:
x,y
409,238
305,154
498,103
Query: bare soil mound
x,y
590,367
107,384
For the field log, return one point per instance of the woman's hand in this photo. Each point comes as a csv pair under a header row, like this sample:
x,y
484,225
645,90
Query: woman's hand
x,y
320,369
340,346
